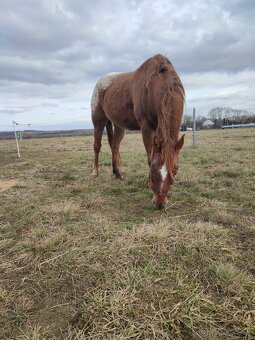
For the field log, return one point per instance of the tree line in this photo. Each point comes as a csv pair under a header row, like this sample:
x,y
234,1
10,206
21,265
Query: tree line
x,y
221,116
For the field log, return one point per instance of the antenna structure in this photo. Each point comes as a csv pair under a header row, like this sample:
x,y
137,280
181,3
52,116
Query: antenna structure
x,y
18,134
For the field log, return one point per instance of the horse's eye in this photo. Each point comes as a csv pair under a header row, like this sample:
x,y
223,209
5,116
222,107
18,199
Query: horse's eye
x,y
162,69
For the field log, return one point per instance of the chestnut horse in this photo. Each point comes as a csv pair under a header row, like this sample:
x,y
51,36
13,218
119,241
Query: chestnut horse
x,y
149,99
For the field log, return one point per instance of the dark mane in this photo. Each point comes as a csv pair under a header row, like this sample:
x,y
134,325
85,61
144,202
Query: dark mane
x,y
166,135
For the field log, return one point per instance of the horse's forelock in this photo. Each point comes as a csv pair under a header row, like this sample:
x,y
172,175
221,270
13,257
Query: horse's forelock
x,y
164,146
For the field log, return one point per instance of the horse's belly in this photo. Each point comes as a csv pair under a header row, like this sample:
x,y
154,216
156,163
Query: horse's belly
x,y
124,120
131,125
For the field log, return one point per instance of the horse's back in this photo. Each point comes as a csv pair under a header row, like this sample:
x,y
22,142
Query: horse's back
x,y
117,102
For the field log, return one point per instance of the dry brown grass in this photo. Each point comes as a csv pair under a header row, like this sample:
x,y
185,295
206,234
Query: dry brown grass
x,y
91,259
7,184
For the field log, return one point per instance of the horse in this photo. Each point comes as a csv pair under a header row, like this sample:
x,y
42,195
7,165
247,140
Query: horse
x,y
149,99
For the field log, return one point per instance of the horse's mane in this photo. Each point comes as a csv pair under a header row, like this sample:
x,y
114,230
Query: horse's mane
x,y
164,136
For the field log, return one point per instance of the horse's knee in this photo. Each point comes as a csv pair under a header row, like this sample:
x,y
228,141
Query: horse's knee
x,y
97,147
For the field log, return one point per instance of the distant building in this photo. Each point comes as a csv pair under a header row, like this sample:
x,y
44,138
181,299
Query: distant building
x,y
207,124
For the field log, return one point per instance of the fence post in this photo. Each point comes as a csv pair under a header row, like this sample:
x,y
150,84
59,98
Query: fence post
x,y
194,127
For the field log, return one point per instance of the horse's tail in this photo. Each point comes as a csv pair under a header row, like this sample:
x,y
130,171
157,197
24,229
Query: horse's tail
x,y
109,132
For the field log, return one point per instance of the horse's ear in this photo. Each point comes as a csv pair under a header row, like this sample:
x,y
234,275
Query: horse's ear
x,y
180,143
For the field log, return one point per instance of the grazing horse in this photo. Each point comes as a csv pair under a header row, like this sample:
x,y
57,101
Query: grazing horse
x,y
149,99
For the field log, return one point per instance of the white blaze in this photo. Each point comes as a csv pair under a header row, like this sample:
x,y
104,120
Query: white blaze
x,y
102,84
163,172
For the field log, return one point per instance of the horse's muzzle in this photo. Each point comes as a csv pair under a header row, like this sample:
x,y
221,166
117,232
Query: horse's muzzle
x,y
159,202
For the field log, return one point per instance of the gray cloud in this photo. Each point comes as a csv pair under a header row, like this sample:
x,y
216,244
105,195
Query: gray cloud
x,y
56,50
13,110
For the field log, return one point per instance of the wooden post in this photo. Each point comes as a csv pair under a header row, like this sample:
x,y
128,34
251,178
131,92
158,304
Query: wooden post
x,y
194,127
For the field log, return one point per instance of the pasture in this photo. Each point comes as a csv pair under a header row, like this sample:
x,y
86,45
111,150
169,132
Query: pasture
x,y
84,258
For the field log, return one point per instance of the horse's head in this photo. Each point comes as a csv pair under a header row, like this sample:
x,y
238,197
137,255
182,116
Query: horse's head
x,y
163,171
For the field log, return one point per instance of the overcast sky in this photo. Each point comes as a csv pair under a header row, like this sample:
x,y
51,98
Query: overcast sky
x,y
53,51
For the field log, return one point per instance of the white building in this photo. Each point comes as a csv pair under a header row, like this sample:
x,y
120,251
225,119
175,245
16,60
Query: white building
x,y
207,124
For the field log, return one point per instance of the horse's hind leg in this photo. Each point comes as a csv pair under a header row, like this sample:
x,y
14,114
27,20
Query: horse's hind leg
x,y
117,138
99,120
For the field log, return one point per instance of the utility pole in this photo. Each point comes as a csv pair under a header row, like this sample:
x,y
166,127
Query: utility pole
x,y
194,127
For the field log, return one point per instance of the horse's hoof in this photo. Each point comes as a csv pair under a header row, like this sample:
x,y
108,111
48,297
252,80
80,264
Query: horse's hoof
x,y
120,177
94,174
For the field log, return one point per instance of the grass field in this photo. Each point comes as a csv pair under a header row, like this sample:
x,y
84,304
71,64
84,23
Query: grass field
x,y
84,258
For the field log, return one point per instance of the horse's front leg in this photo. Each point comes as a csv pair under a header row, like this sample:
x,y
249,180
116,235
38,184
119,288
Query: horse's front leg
x,y
117,138
148,135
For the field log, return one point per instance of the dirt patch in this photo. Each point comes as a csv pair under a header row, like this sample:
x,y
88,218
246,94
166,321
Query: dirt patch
x,y
7,184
